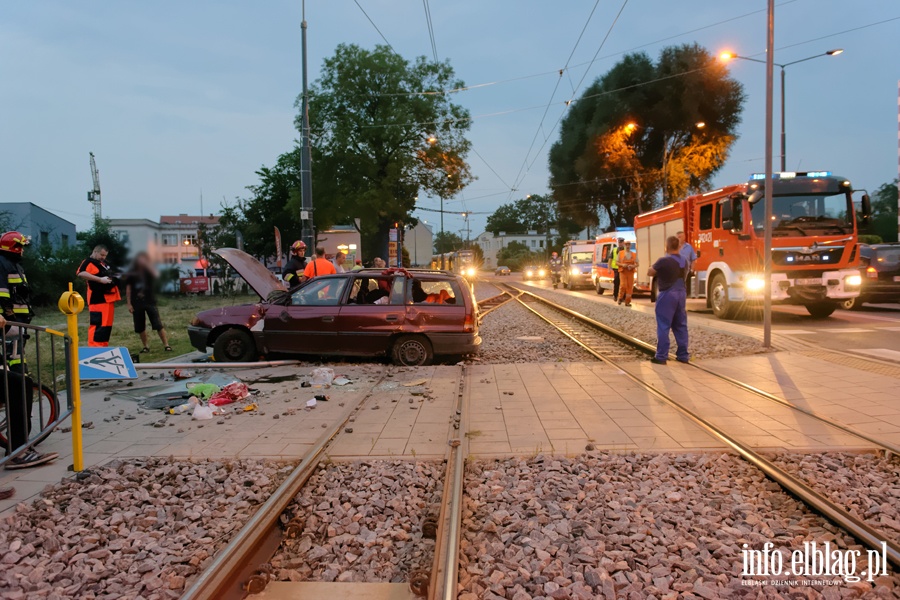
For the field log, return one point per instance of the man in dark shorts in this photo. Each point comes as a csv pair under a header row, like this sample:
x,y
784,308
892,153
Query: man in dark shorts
x,y
141,296
671,299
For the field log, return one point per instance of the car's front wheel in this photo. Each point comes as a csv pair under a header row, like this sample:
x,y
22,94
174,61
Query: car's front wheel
x,y
821,310
412,351
234,345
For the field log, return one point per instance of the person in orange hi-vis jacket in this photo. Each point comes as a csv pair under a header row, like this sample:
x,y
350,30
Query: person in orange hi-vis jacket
x,y
102,295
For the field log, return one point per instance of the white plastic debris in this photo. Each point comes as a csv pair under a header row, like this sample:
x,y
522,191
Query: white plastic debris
x,y
341,381
202,413
311,403
321,376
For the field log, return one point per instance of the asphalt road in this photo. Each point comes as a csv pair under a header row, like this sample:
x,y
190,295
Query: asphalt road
x,y
874,331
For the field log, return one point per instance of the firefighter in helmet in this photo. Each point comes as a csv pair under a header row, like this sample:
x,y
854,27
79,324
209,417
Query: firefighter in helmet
x,y
293,270
15,304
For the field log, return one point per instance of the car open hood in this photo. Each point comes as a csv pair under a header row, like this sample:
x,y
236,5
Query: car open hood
x,y
254,273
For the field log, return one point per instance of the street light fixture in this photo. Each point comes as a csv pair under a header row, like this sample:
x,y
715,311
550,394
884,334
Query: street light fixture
x,y
728,55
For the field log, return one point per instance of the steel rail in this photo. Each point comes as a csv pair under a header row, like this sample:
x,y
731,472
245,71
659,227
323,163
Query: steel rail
x,y
224,578
859,529
651,350
445,572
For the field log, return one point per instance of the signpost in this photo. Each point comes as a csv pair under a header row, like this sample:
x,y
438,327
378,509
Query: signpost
x,y
194,285
393,255
105,363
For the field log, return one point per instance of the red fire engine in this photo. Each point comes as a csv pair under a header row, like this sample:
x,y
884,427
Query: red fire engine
x,y
814,242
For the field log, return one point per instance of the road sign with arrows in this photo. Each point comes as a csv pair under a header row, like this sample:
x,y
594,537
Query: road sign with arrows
x,y
105,363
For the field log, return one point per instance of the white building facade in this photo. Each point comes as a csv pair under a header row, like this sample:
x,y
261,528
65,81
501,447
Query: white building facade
x,y
492,244
419,243
174,240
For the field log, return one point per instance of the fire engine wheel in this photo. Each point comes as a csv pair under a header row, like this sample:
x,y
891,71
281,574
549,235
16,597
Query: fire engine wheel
x,y
820,310
600,289
412,351
722,307
234,345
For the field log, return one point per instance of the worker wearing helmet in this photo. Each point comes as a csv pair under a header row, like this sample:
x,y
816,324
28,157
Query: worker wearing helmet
x,y
15,304
293,270
102,295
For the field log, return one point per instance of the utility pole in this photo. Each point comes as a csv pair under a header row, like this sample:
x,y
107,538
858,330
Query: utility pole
x,y
308,231
767,251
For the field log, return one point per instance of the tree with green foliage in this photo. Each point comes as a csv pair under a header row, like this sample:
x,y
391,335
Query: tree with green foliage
x,y
382,132
884,212
642,132
447,241
101,234
532,213
517,255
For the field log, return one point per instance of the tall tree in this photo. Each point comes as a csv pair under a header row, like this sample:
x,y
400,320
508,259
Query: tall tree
x,y
382,132
884,212
447,241
645,131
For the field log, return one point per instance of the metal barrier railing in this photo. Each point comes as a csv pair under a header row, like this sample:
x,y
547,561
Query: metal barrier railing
x,y
35,365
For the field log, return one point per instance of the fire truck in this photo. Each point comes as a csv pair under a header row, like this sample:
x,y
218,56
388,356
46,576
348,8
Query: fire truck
x,y
814,242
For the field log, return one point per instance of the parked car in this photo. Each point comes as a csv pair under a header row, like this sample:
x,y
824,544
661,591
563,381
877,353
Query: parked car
x,y
502,271
410,316
880,273
535,273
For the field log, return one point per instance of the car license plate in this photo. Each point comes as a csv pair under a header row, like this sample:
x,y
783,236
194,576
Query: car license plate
x,y
808,282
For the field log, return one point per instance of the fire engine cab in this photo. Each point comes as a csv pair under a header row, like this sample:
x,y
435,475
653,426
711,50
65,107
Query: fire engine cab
x,y
814,242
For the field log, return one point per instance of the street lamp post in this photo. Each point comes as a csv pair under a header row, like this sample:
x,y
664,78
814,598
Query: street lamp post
x,y
731,55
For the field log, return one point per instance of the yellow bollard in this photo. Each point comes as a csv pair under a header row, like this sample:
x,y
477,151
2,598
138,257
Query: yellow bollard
x,y
71,303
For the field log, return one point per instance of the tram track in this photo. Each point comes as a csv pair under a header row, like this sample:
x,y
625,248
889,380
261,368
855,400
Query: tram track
x,y
858,528
243,567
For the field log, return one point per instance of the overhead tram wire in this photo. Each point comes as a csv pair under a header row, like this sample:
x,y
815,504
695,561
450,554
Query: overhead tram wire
x,y
430,29
375,26
475,86
552,96
612,26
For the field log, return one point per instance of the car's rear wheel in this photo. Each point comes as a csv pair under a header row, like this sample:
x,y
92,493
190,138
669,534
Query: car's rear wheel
x,y
412,351
234,345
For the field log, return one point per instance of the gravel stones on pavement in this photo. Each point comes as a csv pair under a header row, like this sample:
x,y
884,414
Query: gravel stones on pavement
x,y
704,343
362,522
867,485
634,526
130,529
502,332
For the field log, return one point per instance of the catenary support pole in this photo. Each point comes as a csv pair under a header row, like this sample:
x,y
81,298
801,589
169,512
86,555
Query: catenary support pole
x,y
767,251
308,231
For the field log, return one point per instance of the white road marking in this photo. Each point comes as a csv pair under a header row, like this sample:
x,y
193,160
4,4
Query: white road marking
x,y
794,331
846,330
879,353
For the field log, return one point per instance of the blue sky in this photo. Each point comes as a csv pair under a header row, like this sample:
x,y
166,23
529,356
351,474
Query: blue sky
x,y
175,97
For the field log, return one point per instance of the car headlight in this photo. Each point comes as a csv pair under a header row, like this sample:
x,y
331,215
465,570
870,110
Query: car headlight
x,y
575,271
470,272
529,273
542,273
853,280
754,284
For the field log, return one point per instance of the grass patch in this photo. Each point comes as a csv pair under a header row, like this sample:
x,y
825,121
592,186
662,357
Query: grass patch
x,y
176,313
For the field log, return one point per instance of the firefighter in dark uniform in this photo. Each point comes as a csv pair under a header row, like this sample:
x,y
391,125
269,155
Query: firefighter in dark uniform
x,y
15,303
102,295
293,270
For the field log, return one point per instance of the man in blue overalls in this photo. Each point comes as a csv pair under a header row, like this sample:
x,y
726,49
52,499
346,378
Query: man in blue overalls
x,y
671,312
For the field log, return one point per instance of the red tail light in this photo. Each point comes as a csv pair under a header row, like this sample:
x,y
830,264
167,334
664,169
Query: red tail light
x,y
469,323
871,273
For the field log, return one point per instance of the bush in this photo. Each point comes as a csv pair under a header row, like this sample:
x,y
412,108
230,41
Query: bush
x,y
49,272
870,239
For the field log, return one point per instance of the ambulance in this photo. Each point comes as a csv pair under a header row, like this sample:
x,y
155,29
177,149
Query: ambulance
x,y
578,264
815,251
602,275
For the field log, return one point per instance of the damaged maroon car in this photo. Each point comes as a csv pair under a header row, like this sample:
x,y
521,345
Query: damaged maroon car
x,y
410,316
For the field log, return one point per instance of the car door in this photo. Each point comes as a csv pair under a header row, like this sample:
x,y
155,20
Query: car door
x,y
435,306
372,314
309,324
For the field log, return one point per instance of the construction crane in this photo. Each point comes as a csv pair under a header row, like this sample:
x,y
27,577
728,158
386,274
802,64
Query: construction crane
x,y
94,194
